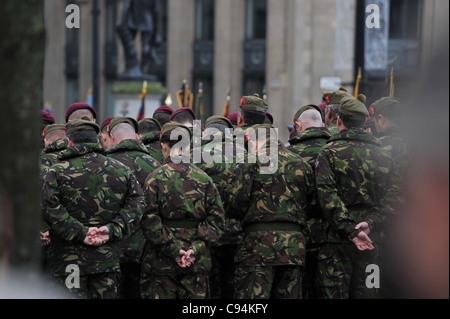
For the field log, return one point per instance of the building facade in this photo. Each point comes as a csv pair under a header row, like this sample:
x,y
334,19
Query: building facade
x,y
289,51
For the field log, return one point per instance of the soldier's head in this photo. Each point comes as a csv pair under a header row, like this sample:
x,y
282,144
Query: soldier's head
x,y
216,124
162,114
53,133
261,135
352,113
233,118
332,103
184,116
308,116
105,138
252,111
149,125
386,111
175,140
82,131
78,110
123,128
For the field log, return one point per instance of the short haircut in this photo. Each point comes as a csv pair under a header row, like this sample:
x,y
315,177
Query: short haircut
x,y
352,121
123,128
311,118
146,127
252,117
162,117
83,136
183,134
78,114
334,108
55,135
183,117
217,126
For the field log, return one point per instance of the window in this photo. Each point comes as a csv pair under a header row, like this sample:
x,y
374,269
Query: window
x,y
256,20
405,18
204,27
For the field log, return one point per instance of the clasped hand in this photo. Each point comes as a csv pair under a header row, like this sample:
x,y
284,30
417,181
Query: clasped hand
x,y
97,236
185,258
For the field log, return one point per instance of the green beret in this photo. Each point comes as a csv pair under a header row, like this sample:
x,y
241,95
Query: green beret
x,y
128,120
81,125
353,107
168,127
305,108
336,96
152,120
253,103
218,120
53,127
383,103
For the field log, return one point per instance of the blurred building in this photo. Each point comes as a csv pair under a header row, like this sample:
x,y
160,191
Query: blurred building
x,y
288,50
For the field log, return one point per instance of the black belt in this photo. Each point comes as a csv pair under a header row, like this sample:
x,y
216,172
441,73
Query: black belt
x,y
273,226
181,223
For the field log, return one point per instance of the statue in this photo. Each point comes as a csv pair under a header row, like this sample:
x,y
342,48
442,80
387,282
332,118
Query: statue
x,y
139,16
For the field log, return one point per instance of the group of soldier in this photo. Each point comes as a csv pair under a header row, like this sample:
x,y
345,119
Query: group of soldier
x,y
137,222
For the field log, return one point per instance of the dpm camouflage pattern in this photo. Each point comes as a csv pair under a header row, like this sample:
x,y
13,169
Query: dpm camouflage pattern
x,y
87,189
308,143
153,145
134,155
257,198
392,142
49,155
184,211
356,181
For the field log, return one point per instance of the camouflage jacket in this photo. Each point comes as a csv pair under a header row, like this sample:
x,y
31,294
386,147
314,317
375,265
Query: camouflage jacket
x,y
184,211
333,127
151,142
133,154
87,189
356,181
49,155
308,144
392,142
272,208
218,162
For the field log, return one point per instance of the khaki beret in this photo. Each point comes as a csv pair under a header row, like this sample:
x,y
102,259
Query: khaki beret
x,y
128,120
383,103
151,120
307,107
82,125
353,107
168,127
253,103
53,127
218,120
336,96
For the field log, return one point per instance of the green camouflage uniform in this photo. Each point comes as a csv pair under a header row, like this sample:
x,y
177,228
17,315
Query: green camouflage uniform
x,y
222,252
87,189
392,142
184,211
133,154
272,207
49,155
308,144
153,145
333,127
356,181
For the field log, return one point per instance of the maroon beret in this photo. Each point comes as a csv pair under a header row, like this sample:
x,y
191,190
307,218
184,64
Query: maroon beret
x,y
163,109
233,117
322,106
79,106
106,122
183,109
47,118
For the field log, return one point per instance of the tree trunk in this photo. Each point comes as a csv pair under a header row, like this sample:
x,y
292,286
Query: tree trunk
x,y
22,49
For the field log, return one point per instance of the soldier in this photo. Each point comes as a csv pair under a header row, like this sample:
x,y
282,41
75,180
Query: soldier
x,y
76,111
149,130
88,200
162,114
271,201
332,105
218,164
184,217
104,137
184,116
311,137
357,187
252,111
387,114
54,136
126,148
